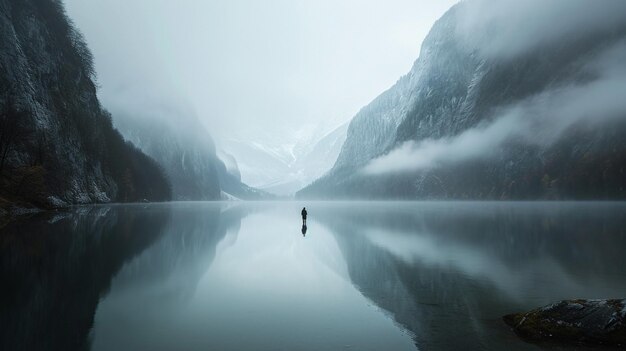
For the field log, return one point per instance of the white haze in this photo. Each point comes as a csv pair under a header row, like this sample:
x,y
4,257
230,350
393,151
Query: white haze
x,y
542,119
262,72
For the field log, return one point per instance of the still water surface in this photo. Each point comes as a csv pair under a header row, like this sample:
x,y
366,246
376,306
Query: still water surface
x,y
366,276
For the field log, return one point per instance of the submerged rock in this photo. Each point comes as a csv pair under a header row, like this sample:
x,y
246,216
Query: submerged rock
x,y
574,321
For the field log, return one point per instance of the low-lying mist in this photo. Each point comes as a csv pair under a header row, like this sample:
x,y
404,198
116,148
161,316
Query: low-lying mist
x,y
541,120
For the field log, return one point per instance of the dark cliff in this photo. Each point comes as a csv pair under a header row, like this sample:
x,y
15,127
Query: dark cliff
x,y
57,143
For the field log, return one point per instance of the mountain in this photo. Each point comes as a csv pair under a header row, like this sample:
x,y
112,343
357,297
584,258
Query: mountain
x,y
57,144
186,152
284,163
320,158
233,188
494,109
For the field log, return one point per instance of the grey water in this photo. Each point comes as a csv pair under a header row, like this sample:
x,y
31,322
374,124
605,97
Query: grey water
x,y
246,276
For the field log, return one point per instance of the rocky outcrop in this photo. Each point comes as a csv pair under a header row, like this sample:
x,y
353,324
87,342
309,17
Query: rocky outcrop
x,y
574,321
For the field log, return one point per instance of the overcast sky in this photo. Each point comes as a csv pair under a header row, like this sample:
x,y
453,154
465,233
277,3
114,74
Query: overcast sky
x,y
244,65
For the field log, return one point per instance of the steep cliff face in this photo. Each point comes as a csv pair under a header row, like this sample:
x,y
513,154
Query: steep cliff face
x,y
186,152
58,144
469,121
182,148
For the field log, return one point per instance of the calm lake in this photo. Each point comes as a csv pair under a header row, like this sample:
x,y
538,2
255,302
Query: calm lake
x,y
243,276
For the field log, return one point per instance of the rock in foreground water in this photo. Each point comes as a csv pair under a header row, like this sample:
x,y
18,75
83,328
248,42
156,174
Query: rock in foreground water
x,y
573,321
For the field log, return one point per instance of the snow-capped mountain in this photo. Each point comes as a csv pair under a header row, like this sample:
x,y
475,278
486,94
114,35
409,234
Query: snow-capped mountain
x,y
284,163
498,109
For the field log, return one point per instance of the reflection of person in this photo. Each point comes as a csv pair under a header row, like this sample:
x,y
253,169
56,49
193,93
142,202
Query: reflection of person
x,y
304,230
303,213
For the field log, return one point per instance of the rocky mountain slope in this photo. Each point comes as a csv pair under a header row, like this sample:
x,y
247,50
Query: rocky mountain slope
x,y
187,154
57,143
492,111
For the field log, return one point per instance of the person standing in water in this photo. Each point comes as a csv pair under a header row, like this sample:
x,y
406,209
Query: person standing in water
x,y
303,213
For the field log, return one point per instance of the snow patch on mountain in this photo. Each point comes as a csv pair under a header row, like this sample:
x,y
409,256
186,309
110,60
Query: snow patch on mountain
x,y
284,162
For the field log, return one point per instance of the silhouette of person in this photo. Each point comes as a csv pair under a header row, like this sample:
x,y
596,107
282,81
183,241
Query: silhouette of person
x,y
304,230
303,213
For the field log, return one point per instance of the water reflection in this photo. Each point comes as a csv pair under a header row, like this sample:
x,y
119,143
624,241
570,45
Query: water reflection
x,y
163,279
449,271
172,267
369,276
55,268
248,284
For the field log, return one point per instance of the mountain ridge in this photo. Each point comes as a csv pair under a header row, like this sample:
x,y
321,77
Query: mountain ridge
x,y
458,91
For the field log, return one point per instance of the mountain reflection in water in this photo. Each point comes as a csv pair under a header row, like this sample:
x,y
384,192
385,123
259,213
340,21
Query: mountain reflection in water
x,y
367,276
